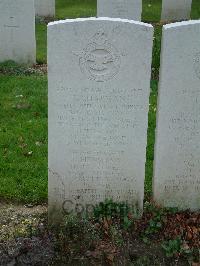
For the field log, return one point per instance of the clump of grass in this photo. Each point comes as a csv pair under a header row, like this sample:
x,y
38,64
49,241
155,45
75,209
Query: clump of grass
x,y
23,135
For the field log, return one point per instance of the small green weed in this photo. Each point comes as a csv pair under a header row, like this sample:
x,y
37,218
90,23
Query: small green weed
x,y
177,247
172,247
116,235
155,223
114,210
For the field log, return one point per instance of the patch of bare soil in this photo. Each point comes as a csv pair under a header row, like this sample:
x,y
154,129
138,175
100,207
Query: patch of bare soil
x,y
38,69
23,237
26,239
41,67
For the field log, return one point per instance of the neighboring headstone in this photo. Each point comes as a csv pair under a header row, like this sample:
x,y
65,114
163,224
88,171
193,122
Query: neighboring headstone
x,y
177,150
128,9
176,10
17,31
45,8
99,83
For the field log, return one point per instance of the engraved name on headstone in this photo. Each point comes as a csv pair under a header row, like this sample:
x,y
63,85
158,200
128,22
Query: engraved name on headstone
x,y
176,9
17,31
177,150
99,83
128,9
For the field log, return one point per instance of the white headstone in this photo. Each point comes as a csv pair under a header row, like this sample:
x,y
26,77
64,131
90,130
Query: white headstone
x,y
177,150
45,8
128,9
17,31
99,80
176,9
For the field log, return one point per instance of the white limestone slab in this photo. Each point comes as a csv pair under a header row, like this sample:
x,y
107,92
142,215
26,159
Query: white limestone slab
x,y
177,150
99,78
45,8
17,31
176,9
126,9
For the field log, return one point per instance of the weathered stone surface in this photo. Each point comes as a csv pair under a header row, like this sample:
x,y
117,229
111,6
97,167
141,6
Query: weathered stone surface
x,y
176,9
177,150
45,8
17,31
128,9
99,79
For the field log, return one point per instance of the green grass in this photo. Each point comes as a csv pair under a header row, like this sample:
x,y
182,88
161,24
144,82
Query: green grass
x,y
23,135
75,8
195,14
23,111
151,137
151,10
41,42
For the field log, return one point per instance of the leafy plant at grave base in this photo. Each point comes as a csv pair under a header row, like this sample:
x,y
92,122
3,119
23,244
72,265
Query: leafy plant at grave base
x,y
154,219
177,231
155,224
76,227
77,235
176,247
116,235
113,210
172,247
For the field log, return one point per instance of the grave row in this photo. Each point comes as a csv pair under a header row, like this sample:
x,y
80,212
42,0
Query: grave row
x,y
17,28
176,10
99,84
129,9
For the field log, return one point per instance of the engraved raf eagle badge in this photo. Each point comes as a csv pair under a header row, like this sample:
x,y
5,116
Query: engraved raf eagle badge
x,y
100,60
